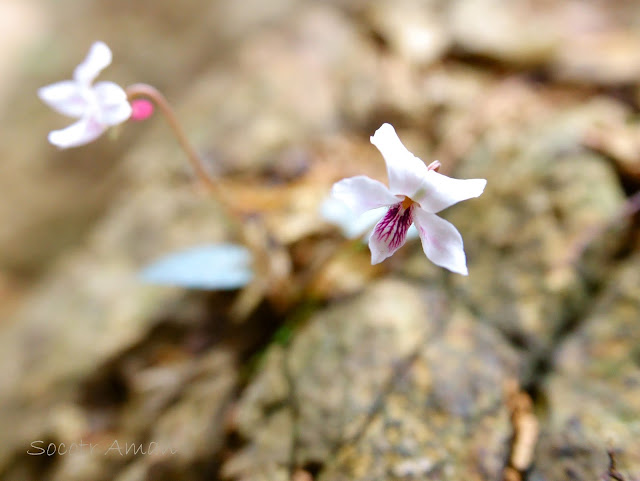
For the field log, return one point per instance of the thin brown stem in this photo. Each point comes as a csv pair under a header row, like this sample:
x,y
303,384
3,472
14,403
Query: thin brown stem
x,y
215,188
144,90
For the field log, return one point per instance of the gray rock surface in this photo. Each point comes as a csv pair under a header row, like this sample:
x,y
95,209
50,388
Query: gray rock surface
x,y
321,391
592,394
392,372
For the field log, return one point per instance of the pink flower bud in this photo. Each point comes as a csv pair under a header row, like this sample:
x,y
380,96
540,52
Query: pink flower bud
x,y
435,166
142,109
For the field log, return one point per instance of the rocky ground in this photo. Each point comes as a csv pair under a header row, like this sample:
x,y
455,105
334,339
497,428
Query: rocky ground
x,y
528,368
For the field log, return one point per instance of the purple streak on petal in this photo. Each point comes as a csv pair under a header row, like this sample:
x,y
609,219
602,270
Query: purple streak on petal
x,y
390,233
393,227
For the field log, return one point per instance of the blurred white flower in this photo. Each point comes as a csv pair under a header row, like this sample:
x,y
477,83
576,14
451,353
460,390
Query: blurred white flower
x,y
97,106
415,194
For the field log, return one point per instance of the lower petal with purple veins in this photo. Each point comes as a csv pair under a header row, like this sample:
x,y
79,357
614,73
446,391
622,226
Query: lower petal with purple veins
x,y
390,233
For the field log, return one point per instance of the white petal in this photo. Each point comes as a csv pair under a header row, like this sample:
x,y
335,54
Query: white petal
x,y
362,193
337,212
439,191
109,93
390,233
80,133
405,170
64,97
112,103
98,58
441,242
116,114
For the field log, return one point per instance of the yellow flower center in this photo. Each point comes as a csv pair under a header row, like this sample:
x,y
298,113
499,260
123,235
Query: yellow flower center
x,y
407,202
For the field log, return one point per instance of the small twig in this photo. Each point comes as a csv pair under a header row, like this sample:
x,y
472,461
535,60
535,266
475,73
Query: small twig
x,y
613,472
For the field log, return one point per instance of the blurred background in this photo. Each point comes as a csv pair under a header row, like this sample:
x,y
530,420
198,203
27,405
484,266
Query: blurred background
x,y
529,368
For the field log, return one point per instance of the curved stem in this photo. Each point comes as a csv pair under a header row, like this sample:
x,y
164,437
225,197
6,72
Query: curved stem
x,y
144,90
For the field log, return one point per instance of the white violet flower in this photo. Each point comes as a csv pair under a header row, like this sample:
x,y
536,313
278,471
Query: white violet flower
x,y
97,106
415,194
